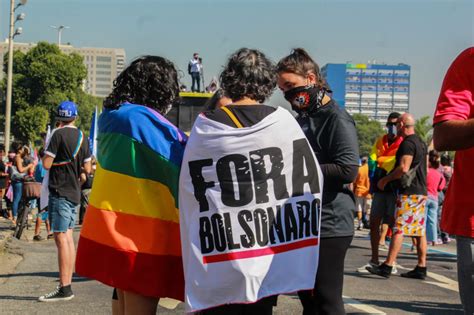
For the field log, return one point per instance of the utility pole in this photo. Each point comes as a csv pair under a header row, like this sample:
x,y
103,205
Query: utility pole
x,y
11,34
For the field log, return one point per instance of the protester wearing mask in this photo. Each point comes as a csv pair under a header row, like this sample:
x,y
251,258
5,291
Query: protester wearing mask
x,y
381,162
332,134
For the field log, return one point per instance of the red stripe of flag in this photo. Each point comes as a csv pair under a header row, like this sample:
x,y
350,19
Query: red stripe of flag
x,y
260,252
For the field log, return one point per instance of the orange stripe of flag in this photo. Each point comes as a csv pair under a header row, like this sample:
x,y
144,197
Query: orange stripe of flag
x,y
132,233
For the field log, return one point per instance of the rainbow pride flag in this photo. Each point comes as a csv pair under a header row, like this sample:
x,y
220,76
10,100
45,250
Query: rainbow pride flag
x,y
130,238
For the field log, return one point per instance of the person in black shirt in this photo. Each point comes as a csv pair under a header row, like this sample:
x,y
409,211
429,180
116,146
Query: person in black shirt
x,y
332,134
67,151
411,161
86,186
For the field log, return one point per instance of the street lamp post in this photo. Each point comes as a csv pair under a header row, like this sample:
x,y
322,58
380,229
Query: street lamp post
x,y
60,29
12,33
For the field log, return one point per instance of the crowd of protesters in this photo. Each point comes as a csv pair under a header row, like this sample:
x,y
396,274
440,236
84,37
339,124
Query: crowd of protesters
x,y
400,189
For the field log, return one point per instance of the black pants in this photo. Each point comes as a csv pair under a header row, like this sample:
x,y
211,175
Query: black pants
x,y
261,307
327,295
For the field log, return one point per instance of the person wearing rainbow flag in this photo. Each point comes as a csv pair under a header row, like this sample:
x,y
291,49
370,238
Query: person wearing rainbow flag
x,y
381,162
130,238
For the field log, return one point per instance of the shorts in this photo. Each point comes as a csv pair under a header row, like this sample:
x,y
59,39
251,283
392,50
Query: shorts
x,y
363,204
43,215
62,213
383,205
410,219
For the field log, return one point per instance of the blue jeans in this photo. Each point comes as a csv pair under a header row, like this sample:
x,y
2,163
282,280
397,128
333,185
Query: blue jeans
x,y
17,194
196,80
465,247
62,213
431,219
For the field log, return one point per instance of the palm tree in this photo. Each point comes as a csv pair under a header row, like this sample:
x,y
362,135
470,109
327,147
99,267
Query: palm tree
x,y
423,128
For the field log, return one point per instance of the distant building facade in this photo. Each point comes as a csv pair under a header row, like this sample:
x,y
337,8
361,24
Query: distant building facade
x,y
374,90
103,64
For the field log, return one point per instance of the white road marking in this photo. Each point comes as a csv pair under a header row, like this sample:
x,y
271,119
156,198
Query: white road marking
x,y
361,306
443,282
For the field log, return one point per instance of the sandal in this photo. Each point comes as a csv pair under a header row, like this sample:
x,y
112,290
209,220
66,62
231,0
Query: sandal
x,y
38,238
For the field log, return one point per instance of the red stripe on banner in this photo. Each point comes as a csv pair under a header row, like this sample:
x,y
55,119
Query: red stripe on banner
x,y
145,274
260,252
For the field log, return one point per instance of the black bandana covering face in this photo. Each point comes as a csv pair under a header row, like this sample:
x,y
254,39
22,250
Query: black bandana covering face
x,y
305,99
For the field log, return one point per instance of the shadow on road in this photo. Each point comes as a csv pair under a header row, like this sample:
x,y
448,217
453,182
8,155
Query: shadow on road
x,y
18,298
417,306
75,278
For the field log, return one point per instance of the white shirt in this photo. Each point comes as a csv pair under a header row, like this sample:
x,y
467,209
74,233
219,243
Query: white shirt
x,y
195,65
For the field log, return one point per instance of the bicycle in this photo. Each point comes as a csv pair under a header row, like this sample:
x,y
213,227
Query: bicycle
x,y
31,191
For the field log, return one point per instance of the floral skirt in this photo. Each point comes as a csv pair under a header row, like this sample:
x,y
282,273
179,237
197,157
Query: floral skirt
x,y
410,217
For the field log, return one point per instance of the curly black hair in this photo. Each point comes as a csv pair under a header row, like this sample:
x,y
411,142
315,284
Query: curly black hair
x,y
248,73
211,103
151,81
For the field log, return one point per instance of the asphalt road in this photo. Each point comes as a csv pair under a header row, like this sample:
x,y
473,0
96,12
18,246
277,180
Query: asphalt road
x,y
36,274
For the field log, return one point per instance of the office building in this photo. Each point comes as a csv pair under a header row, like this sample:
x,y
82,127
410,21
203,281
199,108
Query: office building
x,y
374,90
103,64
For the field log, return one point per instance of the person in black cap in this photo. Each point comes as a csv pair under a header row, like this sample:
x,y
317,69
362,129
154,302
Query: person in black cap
x,y
67,151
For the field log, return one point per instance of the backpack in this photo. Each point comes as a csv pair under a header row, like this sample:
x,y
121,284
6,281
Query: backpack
x,y
15,175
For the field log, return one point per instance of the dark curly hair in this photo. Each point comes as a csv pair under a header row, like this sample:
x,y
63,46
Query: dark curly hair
x,y
151,81
211,103
300,62
248,73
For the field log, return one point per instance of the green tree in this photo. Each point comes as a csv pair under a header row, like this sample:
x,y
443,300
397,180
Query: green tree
x,y
28,123
86,106
367,132
42,78
423,128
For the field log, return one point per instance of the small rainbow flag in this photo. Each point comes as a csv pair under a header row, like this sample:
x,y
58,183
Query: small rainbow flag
x,y
130,238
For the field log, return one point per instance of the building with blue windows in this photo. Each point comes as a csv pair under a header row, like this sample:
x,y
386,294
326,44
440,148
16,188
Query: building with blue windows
x,y
374,90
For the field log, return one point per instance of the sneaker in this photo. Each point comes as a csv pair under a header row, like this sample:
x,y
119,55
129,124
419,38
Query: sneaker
x,y
383,270
417,273
38,238
51,237
383,247
363,269
394,269
60,294
447,240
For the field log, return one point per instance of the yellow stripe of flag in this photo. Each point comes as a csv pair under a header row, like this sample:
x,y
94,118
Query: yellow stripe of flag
x,y
142,197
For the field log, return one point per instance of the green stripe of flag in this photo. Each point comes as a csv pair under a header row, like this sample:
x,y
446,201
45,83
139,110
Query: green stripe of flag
x,y
122,154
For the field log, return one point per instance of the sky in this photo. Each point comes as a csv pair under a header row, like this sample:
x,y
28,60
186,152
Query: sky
x,y
425,34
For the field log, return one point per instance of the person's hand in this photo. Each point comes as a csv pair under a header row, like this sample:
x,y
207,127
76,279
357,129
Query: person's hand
x,y
381,184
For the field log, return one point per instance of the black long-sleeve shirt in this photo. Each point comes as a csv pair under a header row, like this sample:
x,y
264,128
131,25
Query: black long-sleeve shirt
x,y
332,134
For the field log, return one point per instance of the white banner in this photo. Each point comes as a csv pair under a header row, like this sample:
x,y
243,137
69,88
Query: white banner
x,y
44,197
249,205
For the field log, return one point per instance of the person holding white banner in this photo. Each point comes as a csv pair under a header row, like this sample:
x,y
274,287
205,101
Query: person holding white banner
x,y
332,134
250,195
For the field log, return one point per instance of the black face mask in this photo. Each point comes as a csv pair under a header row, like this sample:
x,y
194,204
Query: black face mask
x,y
305,99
